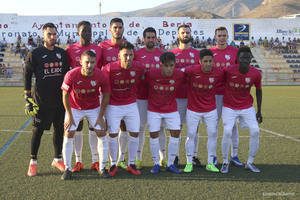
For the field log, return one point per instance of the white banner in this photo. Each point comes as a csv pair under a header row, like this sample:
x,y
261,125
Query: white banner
x,y
11,25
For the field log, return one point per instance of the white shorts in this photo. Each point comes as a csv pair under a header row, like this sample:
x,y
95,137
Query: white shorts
x,y
219,105
181,107
91,115
172,121
193,119
142,106
129,113
247,117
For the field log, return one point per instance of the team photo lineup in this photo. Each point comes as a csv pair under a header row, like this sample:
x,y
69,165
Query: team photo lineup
x,y
118,91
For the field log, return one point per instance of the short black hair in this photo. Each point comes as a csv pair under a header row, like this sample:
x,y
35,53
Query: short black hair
x,y
205,52
81,23
49,25
149,30
126,45
221,28
116,20
89,53
243,49
167,57
183,26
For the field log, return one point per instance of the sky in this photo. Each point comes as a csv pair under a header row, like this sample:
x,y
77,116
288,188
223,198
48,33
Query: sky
x,y
74,7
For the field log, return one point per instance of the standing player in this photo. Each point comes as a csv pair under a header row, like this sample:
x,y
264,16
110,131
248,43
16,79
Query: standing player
x,y
202,81
110,51
185,56
149,56
225,56
238,104
49,64
74,52
124,76
162,85
81,90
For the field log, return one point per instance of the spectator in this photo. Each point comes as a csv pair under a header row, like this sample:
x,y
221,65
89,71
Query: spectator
x,y
252,42
69,41
209,42
8,71
30,40
19,39
284,44
23,51
4,70
4,43
13,48
260,41
99,39
18,47
265,43
138,40
232,43
242,44
39,41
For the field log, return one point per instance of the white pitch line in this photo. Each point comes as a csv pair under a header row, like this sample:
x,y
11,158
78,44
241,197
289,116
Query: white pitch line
x,y
280,135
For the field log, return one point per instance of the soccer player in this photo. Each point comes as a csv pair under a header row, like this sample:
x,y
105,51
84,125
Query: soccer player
x,y
49,64
110,51
124,76
163,84
74,52
202,81
149,56
185,56
225,56
238,104
81,90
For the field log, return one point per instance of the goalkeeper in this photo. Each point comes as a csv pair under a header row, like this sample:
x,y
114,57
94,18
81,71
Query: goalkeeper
x,y
48,64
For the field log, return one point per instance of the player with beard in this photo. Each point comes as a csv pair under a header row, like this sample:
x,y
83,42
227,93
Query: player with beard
x,y
238,104
74,52
185,56
110,51
149,56
49,64
225,56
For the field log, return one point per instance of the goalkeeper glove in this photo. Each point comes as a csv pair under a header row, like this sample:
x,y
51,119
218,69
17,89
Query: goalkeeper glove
x,y
31,108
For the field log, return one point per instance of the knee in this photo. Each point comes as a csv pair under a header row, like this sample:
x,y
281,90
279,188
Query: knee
x,y
254,131
227,132
69,134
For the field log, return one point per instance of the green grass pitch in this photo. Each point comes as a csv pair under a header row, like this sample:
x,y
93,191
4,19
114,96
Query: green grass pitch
x,y
278,158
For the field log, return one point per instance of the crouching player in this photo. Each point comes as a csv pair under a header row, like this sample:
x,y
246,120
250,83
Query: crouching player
x,y
238,104
81,88
202,81
162,85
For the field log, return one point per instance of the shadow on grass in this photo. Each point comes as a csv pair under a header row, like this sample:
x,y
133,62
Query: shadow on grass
x,y
269,173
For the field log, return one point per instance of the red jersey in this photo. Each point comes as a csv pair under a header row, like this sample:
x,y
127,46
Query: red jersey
x,y
110,52
84,91
150,60
123,82
162,90
237,87
224,58
75,50
184,58
202,88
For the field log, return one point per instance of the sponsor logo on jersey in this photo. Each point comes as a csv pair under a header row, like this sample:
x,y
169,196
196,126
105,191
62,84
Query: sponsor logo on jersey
x,y
172,81
77,58
93,83
156,58
143,57
192,61
211,79
161,87
192,54
155,87
157,65
78,82
227,57
58,55
171,88
83,91
109,48
77,51
228,64
121,81
118,74
215,54
218,64
114,58
247,79
93,50
234,77
44,56
132,81
46,65
210,86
